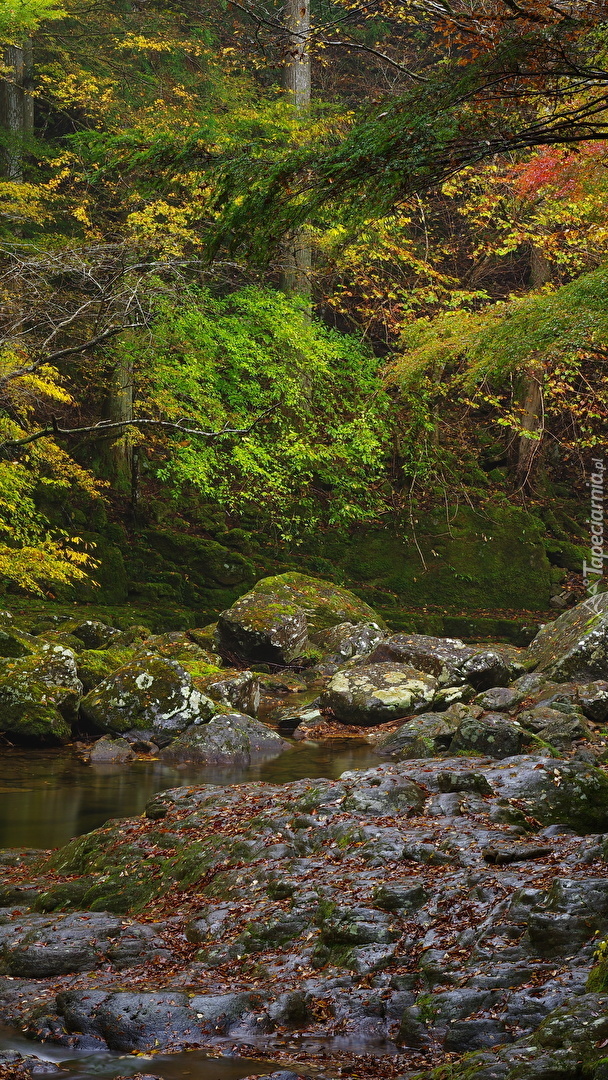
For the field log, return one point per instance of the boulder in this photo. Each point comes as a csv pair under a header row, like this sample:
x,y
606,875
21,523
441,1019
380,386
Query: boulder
x,y
107,750
425,736
151,695
17,643
348,640
274,620
376,693
493,667
240,690
441,657
96,635
39,695
491,735
232,739
180,646
575,646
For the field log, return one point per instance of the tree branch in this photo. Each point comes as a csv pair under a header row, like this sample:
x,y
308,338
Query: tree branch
x,y
29,369
104,426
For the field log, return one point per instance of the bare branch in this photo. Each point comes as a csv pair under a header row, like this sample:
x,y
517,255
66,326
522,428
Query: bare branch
x,y
104,426
70,350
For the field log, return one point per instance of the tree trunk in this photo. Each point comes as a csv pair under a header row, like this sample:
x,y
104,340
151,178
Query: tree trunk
x,y
16,108
297,259
532,420
531,394
117,452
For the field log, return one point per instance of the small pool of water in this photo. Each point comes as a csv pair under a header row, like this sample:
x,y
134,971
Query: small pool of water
x,y
49,796
193,1065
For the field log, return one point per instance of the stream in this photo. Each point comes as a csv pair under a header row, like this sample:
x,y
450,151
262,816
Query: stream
x,y
49,796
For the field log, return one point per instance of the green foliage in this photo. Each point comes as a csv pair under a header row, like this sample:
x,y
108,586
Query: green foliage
x,y
20,17
316,457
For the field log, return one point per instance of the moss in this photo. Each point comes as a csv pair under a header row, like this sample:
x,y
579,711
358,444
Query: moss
x,y
496,558
94,665
597,982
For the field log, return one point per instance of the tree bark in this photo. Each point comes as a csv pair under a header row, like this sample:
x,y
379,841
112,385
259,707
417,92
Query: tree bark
x,y
16,107
117,452
297,257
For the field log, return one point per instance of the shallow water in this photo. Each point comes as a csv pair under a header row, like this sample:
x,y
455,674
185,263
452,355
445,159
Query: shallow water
x,y
194,1065
49,796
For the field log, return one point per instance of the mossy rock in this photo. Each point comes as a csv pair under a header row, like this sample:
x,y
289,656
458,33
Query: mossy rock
x,y
494,558
39,695
273,621
152,695
205,559
14,643
575,646
95,665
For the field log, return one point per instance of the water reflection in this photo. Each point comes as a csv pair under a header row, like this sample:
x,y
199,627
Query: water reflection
x,y
194,1064
49,796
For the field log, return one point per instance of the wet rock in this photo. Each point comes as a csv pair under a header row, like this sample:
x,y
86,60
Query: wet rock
x,y
39,946
39,695
375,693
16,1066
491,735
273,621
155,1021
107,750
231,739
151,695
426,736
575,646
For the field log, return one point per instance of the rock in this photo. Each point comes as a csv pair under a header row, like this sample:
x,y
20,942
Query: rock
x,y
152,695
493,667
375,693
39,695
17,643
442,657
108,750
95,665
96,635
348,640
15,1066
180,646
492,735
426,736
232,739
538,718
575,646
166,1020
273,621
499,699
238,689
39,946
564,731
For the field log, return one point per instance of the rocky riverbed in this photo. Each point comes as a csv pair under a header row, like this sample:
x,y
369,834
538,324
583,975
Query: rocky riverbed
x,y
441,914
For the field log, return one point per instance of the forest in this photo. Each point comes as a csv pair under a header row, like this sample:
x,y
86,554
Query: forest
x,y
304,627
